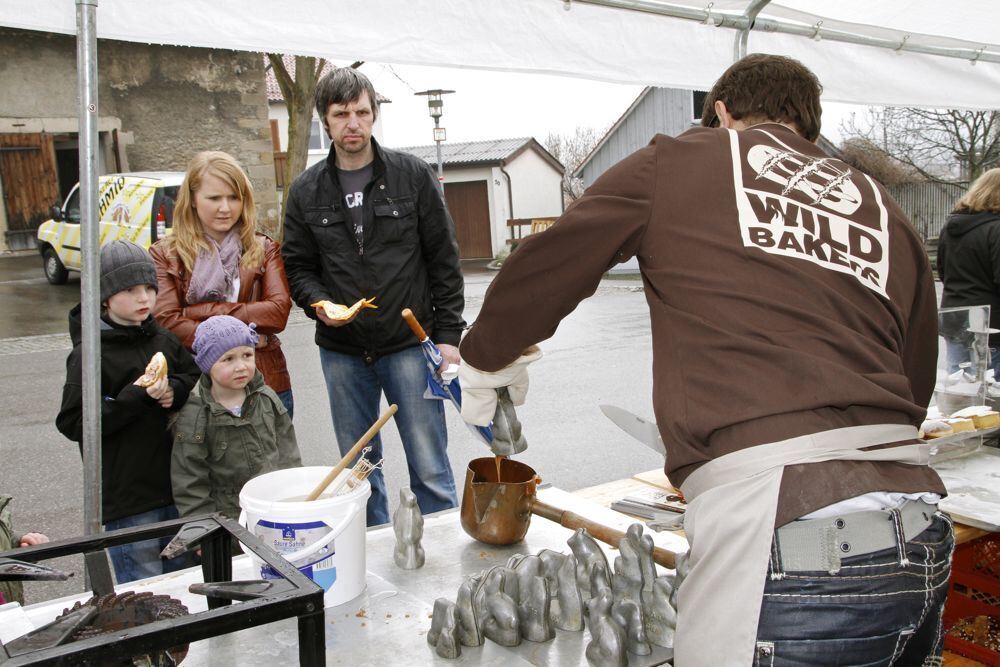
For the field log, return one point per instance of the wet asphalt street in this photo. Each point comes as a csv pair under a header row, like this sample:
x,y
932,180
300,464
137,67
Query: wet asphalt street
x,y
600,354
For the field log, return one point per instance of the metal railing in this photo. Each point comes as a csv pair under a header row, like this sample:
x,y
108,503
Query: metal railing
x,y
927,205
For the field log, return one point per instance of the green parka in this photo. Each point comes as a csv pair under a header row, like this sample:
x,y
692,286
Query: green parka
x,y
215,452
11,590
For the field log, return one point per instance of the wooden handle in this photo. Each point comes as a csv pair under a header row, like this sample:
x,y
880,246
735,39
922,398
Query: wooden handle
x,y
415,327
358,446
598,531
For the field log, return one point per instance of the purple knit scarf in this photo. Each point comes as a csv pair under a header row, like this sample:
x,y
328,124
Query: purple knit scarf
x,y
215,271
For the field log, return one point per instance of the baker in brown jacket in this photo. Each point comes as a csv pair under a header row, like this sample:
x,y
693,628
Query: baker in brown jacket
x,y
794,331
216,264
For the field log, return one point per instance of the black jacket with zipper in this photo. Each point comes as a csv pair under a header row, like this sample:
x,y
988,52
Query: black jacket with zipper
x,y
968,260
408,258
135,444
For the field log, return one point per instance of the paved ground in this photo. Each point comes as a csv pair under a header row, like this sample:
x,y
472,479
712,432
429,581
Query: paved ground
x,y
599,354
31,306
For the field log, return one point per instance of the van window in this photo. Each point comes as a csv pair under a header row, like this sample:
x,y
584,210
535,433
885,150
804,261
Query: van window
x,y
169,198
72,209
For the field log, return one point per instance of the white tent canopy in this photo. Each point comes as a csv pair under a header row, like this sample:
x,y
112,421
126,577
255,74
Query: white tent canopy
x,y
885,52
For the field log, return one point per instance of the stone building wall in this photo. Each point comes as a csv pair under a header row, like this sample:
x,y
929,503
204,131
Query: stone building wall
x,y
170,102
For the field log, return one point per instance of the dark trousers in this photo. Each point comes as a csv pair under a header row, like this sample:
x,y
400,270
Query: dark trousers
x,y
875,611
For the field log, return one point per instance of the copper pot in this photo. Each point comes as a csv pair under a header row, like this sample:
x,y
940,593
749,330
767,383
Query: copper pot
x,y
498,512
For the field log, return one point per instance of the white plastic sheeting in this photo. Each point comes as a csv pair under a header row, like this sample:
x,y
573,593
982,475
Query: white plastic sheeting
x,y
595,39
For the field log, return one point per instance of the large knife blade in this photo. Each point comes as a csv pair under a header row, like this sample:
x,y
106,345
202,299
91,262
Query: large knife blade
x,y
644,431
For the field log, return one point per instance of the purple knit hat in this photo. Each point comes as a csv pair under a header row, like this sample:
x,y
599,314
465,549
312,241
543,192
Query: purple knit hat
x,y
219,334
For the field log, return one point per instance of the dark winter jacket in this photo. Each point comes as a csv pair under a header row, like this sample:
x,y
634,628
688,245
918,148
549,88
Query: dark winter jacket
x,y
409,258
216,452
968,263
135,444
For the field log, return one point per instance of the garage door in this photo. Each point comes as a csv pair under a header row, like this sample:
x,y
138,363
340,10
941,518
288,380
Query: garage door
x,y
470,209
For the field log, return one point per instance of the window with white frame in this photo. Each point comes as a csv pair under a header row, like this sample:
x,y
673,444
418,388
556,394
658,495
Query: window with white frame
x,y
318,138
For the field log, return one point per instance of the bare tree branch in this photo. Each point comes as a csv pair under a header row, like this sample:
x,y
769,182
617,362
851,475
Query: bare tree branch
x,y
299,90
941,145
571,150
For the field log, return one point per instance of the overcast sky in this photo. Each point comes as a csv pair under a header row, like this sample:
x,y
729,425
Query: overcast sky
x,y
499,105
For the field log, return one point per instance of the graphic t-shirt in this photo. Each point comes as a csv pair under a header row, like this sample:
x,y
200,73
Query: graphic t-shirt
x,y
353,183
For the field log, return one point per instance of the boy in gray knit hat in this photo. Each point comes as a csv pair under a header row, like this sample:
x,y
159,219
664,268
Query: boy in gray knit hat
x,y
135,444
233,427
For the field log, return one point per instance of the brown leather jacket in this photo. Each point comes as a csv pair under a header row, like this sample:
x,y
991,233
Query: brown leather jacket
x,y
264,299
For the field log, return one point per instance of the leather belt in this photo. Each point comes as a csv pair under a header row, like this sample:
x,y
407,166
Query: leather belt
x,y
820,544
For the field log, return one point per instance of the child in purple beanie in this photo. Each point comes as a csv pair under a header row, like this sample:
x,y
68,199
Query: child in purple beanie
x,y
233,427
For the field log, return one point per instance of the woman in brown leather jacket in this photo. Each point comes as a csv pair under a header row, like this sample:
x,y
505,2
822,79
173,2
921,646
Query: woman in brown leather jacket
x,y
215,263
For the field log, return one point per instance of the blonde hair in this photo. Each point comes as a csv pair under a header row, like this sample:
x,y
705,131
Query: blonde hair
x,y
983,194
189,239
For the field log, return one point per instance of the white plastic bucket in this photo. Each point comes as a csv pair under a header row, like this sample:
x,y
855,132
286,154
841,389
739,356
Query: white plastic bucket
x,y
324,539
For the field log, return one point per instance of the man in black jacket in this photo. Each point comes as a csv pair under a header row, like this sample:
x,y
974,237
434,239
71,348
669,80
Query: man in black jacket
x,y
370,222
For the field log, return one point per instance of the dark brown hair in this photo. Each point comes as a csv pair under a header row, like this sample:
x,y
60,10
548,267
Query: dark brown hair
x,y
343,86
762,87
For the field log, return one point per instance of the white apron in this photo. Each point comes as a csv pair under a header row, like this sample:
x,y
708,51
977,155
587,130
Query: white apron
x,y
729,522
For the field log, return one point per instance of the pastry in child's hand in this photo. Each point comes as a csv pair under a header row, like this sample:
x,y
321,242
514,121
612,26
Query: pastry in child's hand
x,y
156,370
338,311
935,428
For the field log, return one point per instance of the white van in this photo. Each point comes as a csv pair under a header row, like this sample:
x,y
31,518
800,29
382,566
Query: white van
x,y
138,207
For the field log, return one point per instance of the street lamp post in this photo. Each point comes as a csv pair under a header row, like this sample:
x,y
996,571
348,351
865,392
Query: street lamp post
x,y
435,105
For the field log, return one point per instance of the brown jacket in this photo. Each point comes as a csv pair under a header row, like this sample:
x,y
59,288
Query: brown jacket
x,y
788,295
264,299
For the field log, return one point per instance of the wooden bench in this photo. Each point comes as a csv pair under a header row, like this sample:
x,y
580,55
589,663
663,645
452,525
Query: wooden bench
x,y
534,225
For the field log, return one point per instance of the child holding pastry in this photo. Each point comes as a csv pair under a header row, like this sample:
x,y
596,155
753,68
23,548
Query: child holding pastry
x,y
146,374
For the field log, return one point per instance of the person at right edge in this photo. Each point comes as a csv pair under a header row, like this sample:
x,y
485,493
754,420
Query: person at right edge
x,y
794,336
968,261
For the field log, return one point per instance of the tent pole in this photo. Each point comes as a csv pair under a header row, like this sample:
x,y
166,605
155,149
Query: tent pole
x,y
753,9
90,246
896,40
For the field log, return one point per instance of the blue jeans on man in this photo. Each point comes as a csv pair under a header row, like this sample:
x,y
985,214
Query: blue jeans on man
x,y
355,388
875,611
958,354
141,560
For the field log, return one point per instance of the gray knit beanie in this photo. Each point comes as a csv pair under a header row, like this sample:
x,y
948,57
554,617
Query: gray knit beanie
x,y
219,334
124,265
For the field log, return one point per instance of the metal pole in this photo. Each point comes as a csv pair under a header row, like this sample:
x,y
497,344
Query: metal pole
x,y
437,142
752,10
90,300
895,40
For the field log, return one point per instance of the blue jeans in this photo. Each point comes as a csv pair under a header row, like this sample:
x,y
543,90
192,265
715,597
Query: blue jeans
x,y
286,399
140,560
355,387
874,611
958,353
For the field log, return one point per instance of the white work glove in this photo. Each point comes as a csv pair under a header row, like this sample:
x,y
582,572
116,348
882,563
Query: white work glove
x,y
479,388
